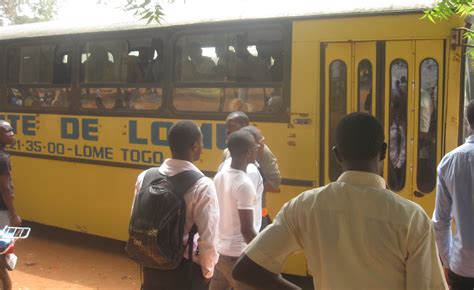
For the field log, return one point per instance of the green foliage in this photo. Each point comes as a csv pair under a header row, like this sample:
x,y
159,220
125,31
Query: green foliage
x,y
150,10
27,11
445,9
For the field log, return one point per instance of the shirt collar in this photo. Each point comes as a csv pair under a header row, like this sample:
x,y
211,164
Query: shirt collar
x,y
181,164
362,178
470,139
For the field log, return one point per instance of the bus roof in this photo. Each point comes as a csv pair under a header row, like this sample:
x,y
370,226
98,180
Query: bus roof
x,y
211,11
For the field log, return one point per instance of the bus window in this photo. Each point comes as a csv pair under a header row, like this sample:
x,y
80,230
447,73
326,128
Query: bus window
x,y
129,73
337,109
103,62
13,65
224,60
468,93
249,100
364,86
62,64
427,129
108,98
45,65
398,124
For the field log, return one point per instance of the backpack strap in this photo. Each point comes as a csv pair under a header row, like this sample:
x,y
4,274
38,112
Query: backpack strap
x,y
183,181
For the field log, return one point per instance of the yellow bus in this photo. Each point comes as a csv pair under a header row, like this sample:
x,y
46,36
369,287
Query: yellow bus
x,y
91,105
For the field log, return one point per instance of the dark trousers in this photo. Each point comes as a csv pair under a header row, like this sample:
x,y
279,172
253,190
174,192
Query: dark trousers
x,y
458,282
180,278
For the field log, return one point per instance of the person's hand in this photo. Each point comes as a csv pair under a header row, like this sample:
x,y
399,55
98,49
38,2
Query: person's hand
x,y
15,220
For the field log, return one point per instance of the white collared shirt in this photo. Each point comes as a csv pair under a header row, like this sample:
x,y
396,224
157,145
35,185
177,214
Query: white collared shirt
x,y
202,209
356,235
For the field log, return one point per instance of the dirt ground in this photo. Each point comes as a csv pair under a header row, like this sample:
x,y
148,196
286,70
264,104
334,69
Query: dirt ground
x,y
56,259
52,258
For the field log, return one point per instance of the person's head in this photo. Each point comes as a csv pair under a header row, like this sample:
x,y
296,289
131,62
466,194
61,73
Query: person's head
x,y
195,50
235,121
257,135
185,140
7,136
470,114
360,143
145,54
242,147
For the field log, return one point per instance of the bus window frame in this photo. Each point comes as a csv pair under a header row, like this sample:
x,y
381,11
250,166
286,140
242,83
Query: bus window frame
x,y
121,36
282,115
6,84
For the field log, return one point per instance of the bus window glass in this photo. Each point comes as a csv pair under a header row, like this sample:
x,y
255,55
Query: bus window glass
x,y
13,64
398,124
222,61
39,97
468,93
253,56
365,86
145,61
427,128
121,99
45,65
62,66
337,109
104,62
249,100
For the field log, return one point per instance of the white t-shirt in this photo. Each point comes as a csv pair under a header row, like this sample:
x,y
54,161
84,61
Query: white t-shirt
x,y
257,180
234,191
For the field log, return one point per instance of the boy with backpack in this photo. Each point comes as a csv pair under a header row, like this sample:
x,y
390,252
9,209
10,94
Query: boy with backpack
x,y
170,203
237,203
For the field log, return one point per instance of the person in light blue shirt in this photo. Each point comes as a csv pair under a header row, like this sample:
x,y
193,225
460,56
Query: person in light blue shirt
x,y
455,199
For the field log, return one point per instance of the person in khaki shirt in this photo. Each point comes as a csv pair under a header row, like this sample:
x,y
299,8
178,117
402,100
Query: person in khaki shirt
x,y
356,234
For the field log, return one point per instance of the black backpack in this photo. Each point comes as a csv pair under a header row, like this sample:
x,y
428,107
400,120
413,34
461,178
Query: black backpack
x,y
158,218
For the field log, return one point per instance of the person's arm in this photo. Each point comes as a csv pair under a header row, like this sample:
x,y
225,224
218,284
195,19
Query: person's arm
x,y
271,172
442,219
8,195
206,218
246,225
246,269
263,259
423,267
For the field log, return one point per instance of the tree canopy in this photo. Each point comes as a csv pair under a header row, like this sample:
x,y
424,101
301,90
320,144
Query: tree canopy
x,y
27,11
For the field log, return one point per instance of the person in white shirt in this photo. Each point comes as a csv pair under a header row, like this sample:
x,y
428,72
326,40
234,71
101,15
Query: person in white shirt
x,y
237,202
202,209
255,176
356,234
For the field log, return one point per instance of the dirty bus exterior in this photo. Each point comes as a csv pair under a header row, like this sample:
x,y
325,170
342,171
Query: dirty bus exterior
x,y
89,117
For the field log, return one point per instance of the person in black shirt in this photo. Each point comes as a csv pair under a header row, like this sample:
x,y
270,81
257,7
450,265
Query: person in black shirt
x,y
8,214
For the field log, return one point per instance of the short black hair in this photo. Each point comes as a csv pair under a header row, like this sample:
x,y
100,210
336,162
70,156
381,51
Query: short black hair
x,y
359,136
470,113
182,136
256,133
239,117
240,142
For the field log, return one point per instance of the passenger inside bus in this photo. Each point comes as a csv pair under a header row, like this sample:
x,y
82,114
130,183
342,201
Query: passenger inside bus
x,y
203,65
61,68
426,146
263,62
397,145
276,70
156,69
245,61
138,67
226,67
98,68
